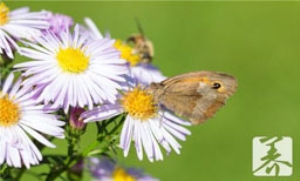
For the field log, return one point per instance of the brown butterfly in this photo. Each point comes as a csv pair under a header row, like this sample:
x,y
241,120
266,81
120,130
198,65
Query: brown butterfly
x,y
197,95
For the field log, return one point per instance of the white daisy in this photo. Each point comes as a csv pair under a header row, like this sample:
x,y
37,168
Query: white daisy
x,y
71,71
17,24
148,124
20,119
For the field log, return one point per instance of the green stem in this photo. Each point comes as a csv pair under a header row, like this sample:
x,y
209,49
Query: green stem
x,y
69,162
5,67
102,134
117,126
58,170
72,156
5,173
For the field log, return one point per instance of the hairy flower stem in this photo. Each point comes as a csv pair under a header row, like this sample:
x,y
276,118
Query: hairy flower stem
x,y
73,155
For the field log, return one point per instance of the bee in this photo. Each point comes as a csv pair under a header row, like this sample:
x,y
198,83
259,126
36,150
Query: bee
x,y
141,45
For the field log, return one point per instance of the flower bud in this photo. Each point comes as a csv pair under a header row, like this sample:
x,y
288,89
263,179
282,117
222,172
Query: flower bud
x,y
75,121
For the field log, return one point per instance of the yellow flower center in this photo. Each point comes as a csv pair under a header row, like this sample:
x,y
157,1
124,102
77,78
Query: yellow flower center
x,y
72,60
127,53
121,175
9,112
139,104
4,10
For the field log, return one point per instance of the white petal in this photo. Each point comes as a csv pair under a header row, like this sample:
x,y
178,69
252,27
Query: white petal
x,y
137,139
38,137
2,150
15,88
175,119
8,83
91,25
174,144
126,134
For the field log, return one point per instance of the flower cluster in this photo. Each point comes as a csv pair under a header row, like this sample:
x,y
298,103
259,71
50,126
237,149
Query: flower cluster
x,y
74,75
105,169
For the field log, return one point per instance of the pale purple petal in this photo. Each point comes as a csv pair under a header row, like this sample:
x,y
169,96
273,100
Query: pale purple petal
x,y
103,112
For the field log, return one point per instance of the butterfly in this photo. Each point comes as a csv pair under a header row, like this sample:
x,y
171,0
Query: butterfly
x,y
196,95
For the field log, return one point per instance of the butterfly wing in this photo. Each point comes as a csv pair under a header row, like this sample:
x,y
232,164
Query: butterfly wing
x,y
191,95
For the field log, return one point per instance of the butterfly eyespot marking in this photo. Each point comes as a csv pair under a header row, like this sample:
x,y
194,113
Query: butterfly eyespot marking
x,y
216,85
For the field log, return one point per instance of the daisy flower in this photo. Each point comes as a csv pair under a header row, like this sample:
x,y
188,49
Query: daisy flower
x,y
20,119
71,71
17,24
105,169
58,23
147,123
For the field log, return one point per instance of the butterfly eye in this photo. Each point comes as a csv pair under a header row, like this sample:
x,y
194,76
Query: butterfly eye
x,y
216,85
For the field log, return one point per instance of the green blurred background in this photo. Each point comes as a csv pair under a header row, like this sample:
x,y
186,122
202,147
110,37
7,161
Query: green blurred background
x,y
257,42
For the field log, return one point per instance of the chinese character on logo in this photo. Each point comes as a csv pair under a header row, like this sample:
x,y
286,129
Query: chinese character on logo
x,y
272,156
